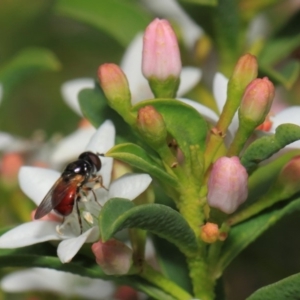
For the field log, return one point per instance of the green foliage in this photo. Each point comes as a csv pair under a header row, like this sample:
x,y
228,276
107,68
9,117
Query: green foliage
x,y
139,158
109,16
245,233
191,130
288,289
162,220
266,146
28,62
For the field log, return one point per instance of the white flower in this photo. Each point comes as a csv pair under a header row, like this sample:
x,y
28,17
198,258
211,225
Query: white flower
x,y
66,284
36,182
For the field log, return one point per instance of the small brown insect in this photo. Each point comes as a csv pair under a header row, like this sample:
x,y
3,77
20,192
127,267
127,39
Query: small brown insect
x,y
71,186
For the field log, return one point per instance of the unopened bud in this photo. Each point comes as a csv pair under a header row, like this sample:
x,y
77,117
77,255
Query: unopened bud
x,y
115,86
113,256
161,63
257,101
209,233
288,179
227,185
245,70
151,125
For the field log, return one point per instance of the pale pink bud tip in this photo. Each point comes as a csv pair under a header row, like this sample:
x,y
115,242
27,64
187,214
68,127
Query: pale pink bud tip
x,y
113,256
227,185
257,100
209,233
151,125
113,82
161,55
245,71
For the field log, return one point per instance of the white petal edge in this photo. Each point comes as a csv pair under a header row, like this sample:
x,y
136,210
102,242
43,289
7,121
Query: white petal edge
x,y
288,115
67,284
36,182
129,186
189,77
29,233
71,89
220,90
70,147
5,140
68,248
101,142
131,64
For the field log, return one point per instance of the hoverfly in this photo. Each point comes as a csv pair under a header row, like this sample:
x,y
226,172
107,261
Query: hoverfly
x,y
71,186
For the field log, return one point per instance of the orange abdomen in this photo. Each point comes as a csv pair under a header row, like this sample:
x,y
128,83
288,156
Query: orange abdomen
x,y
67,198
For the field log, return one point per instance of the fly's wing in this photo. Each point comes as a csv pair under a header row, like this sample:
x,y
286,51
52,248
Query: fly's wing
x,y
49,202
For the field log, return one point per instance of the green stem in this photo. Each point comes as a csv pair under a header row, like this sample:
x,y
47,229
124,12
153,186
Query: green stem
x,y
264,202
165,284
243,133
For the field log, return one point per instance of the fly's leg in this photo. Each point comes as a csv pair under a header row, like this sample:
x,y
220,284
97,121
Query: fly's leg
x,y
78,212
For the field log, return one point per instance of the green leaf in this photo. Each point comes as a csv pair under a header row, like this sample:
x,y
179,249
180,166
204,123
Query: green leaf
x,y
283,43
94,107
202,2
286,76
241,235
183,122
86,268
162,220
178,272
120,19
287,289
139,158
263,177
27,63
266,146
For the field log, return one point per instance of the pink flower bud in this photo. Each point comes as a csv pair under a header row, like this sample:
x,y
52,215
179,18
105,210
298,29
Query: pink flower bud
x,y
257,100
209,233
152,126
227,185
113,256
287,182
161,56
114,84
245,70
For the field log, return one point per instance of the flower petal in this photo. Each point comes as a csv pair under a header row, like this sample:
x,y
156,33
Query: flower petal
x,y
131,65
5,140
67,284
70,90
29,233
68,248
220,90
288,115
36,182
70,147
129,186
101,142
189,77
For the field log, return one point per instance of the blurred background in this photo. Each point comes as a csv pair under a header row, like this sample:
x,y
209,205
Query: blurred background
x,y
44,43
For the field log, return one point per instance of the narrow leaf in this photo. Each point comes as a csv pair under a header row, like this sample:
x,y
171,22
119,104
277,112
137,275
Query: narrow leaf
x,y
287,289
202,2
266,146
120,19
162,220
139,158
241,235
27,63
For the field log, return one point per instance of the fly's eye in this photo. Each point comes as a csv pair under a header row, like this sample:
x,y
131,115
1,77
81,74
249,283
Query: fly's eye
x,y
92,158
